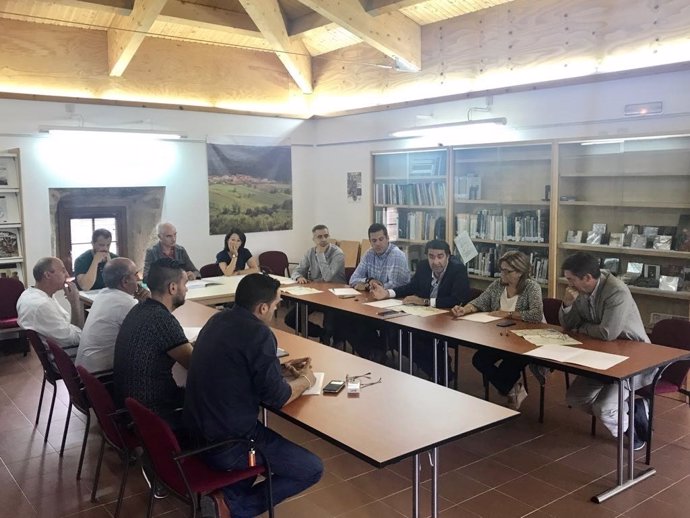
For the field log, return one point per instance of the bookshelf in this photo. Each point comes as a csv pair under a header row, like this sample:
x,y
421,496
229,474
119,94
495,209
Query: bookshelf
x,y
500,200
633,186
12,252
411,197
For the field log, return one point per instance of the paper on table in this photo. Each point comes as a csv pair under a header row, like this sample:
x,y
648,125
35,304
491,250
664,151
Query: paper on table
x,y
387,303
284,281
300,290
191,333
316,389
344,292
566,354
465,246
421,311
541,337
480,317
198,283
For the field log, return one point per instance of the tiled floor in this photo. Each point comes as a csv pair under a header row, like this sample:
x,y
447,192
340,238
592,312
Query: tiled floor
x,y
520,469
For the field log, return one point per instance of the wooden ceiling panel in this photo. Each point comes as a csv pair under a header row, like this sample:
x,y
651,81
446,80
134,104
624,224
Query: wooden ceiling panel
x,y
56,13
328,38
432,11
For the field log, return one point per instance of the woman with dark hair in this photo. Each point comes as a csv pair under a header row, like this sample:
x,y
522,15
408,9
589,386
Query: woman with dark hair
x,y
235,259
515,296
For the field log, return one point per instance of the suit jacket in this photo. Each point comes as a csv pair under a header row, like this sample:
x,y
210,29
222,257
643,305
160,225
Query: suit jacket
x,y
454,287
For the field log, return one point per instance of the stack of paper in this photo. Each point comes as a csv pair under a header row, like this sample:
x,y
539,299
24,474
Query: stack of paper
x,y
542,337
344,293
300,290
479,317
566,354
387,303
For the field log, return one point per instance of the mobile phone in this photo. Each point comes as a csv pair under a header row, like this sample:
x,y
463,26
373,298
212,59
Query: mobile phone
x,y
334,386
505,323
389,313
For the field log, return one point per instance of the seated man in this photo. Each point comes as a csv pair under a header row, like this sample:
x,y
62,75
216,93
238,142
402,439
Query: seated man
x,y
38,310
439,282
324,262
167,247
234,372
107,312
88,268
385,265
149,343
599,305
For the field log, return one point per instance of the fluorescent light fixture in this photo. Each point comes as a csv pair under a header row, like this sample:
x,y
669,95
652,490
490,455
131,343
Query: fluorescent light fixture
x,y
643,108
111,132
435,129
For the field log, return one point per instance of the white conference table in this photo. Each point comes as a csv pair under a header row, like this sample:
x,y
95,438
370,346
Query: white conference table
x,y
217,290
401,417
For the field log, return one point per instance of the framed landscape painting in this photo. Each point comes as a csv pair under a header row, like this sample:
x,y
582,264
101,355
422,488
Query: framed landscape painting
x,y
249,188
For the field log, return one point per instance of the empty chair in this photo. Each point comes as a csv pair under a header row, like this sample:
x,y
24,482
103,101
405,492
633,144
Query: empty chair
x,y
274,262
50,375
77,398
184,473
210,270
114,430
671,378
10,291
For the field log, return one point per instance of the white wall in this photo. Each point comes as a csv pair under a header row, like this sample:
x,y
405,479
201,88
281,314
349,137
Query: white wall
x,y
179,166
567,112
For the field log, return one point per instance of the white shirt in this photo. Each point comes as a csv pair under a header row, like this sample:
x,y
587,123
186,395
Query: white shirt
x,y
508,303
43,314
109,309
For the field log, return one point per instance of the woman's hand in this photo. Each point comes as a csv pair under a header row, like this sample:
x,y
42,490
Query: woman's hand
x,y
458,311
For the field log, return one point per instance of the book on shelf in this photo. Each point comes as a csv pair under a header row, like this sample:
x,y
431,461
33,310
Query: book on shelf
x,y
530,226
573,236
424,166
628,231
9,243
8,172
420,225
484,264
599,228
616,239
593,238
468,187
632,272
388,216
611,264
662,242
420,193
4,215
539,267
638,241
683,233
668,283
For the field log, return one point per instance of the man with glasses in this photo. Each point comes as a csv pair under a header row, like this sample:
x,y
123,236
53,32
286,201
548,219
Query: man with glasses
x,y
323,262
439,282
109,309
599,305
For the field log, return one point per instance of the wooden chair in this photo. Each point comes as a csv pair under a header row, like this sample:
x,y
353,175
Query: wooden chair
x,y
77,398
351,251
363,247
185,473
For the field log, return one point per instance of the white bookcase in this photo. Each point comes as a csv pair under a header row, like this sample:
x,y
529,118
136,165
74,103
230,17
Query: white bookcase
x,y
12,239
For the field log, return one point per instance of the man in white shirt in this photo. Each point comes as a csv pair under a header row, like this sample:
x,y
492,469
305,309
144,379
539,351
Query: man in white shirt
x,y
39,311
109,309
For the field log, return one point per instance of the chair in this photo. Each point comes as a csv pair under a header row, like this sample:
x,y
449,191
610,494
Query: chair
x,y
351,251
50,375
274,262
114,430
349,270
77,398
184,473
364,246
211,270
671,378
11,290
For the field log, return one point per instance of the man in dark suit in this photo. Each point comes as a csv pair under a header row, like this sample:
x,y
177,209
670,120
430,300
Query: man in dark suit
x,y
439,282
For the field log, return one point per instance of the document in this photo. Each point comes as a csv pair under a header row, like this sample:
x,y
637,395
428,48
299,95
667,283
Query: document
x,y
344,293
300,290
567,354
541,337
479,317
421,311
387,303
284,281
316,389
198,283
191,333
465,246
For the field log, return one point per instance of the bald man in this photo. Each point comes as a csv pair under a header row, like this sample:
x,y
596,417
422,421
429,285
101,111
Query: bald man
x,y
167,247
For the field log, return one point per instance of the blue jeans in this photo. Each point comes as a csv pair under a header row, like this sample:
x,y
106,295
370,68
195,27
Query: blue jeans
x,y
294,469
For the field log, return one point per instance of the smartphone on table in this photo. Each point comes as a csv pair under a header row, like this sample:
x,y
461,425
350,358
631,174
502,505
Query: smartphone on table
x,y
334,386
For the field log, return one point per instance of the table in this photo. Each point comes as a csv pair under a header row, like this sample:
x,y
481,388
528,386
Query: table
x,y
399,418
220,290
641,357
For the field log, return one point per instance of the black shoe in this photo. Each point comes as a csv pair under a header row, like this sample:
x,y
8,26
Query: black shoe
x,y
214,505
158,492
641,419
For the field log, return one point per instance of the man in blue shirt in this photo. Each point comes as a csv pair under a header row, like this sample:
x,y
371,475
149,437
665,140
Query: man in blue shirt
x,y
235,371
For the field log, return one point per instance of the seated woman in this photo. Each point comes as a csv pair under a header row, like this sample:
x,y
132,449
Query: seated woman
x,y
516,296
235,259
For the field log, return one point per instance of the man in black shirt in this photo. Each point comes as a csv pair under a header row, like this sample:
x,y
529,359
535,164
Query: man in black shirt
x,y
149,343
234,372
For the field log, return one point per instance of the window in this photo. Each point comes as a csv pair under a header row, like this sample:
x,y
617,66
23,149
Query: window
x,y
76,226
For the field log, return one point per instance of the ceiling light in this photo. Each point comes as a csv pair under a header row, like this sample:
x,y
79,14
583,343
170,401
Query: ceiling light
x,y
110,132
434,129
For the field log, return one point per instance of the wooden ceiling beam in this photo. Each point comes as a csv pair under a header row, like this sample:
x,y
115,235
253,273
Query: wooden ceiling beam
x,y
121,7
268,17
379,7
127,33
393,33
201,16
